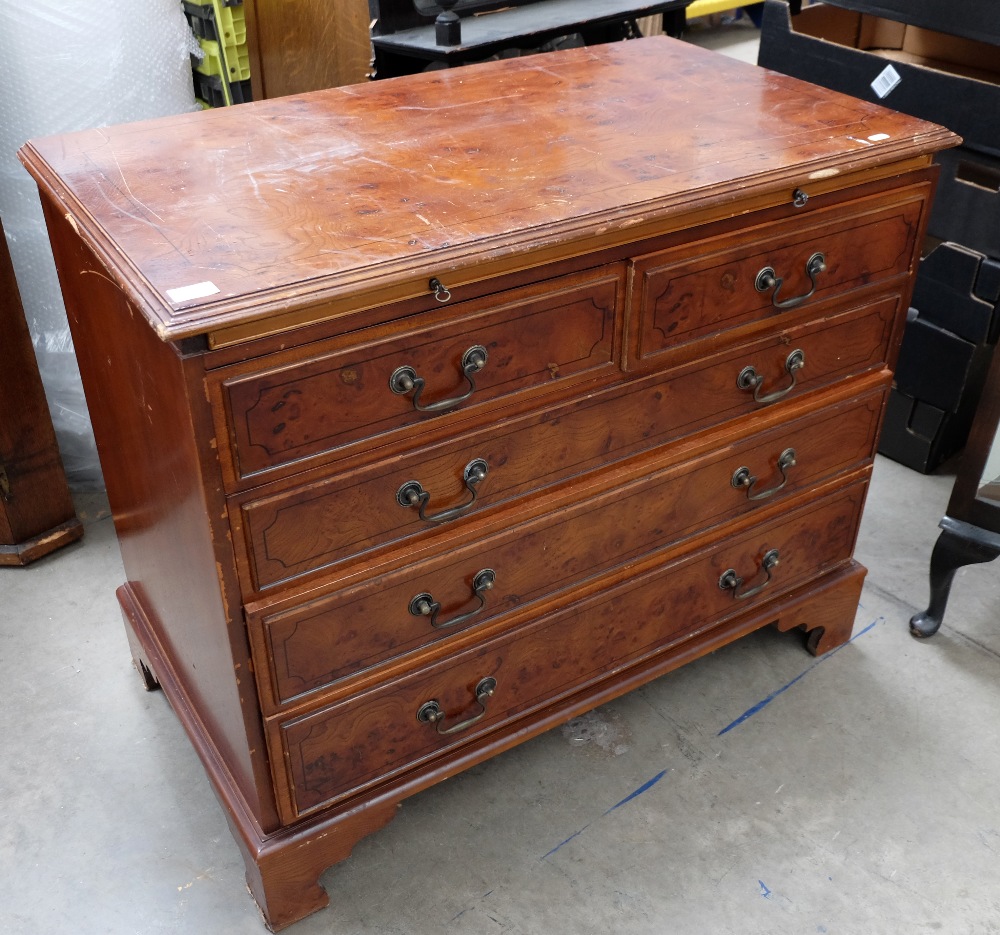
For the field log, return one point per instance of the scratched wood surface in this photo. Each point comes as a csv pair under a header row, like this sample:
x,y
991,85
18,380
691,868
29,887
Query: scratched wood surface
x,y
329,190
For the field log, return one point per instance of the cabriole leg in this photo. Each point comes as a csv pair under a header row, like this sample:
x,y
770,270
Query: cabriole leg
x,y
959,544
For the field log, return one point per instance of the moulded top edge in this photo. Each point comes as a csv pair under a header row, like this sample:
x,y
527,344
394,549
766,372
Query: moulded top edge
x,y
219,218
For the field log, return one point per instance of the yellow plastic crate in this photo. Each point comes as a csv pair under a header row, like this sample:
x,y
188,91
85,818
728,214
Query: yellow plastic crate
x,y
230,22
708,7
232,62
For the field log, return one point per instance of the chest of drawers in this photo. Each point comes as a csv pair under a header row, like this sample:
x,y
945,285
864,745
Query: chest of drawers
x,y
437,411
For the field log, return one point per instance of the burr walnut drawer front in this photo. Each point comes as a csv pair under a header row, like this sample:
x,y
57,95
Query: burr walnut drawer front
x,y
323,755
750,276
330,399
315,525
301,649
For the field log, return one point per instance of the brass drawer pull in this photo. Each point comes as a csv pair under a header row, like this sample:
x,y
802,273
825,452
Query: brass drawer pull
x,y
730,581
749,379
404,380
413,494
430,711
423,605
768,280
742,478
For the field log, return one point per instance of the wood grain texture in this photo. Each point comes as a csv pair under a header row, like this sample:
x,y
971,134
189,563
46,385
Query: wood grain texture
x,y
283,868
335,750
247,512
313,529
537,341
863,243
347,632
148,410
36,511
306,45
356,188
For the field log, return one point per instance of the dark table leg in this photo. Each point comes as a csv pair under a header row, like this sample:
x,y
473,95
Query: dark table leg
x,y
959,544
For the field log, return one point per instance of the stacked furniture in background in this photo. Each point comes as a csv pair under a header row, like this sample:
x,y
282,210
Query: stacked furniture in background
x,y
36,512
409,35
940,62
222,74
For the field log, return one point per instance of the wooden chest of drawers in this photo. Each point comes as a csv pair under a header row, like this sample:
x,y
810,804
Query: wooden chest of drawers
x,y
437,411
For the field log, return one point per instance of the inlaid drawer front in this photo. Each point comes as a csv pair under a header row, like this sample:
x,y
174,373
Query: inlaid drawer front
x,y
346,632
760,272
328,753
323,400
307,528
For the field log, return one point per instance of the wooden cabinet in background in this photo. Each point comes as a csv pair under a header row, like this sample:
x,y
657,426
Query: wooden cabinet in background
x,y
306,45
479,398
36,511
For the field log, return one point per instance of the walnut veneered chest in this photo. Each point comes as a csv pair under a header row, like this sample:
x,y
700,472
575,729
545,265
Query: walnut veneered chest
x,y
436,411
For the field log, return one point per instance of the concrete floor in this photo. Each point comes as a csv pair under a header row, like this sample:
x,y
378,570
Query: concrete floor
x,y
860,796
757,790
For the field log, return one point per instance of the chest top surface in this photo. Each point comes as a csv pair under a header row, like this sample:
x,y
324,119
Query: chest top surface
x,y
250,208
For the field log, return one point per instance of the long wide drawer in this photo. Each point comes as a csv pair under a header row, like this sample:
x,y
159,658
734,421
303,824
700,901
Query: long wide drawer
x,y
302,648
755,274
316,525
539,338
329,753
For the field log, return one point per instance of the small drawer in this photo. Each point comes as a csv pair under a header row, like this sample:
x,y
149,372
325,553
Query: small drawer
x,y
760,272
329,399
314,526
326,754
346,632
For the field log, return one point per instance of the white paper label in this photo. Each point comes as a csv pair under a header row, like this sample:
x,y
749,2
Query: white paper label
x,y
197,291
886,81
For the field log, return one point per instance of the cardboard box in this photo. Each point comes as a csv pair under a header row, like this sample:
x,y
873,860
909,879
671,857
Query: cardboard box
x,y
956,289
967,204
947,79
973,19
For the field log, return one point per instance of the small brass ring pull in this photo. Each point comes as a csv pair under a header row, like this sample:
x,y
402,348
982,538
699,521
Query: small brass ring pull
x,y
730,581
423,605
743,479
768,280
441,292
430,711
749,379
405,380
413,494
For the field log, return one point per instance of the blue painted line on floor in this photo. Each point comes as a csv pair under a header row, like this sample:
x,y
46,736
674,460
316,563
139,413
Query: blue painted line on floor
x,y
575,834
750,712
764,891
643,788
646,786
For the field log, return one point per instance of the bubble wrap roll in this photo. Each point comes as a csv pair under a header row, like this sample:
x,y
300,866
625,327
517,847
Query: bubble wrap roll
x,y
72,65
